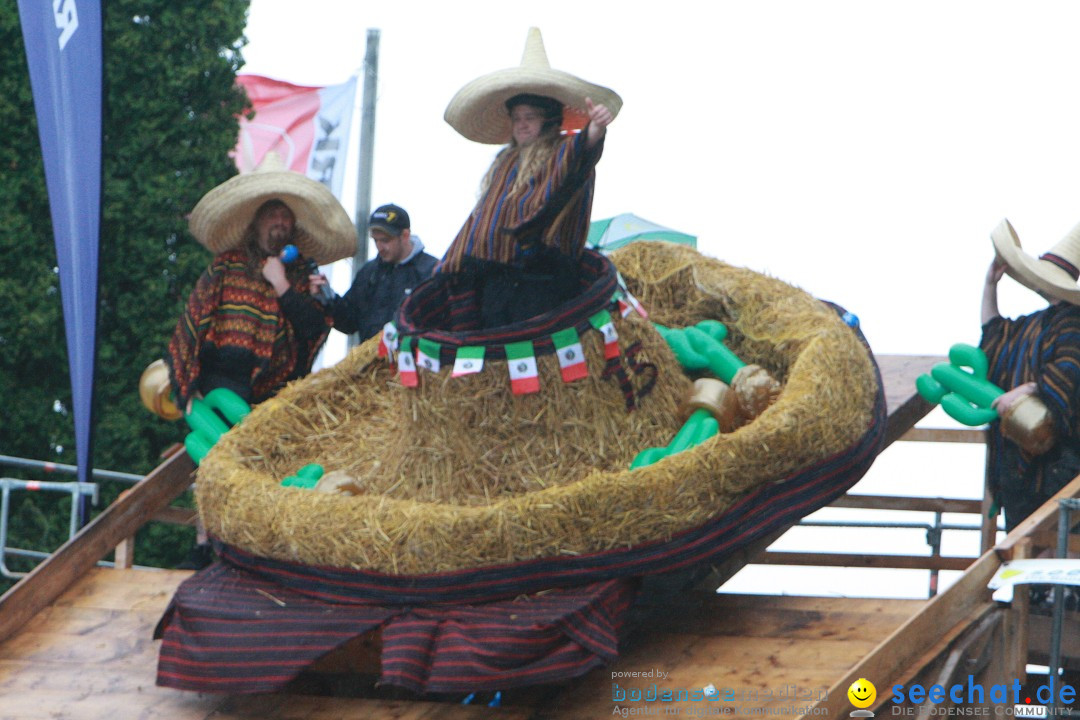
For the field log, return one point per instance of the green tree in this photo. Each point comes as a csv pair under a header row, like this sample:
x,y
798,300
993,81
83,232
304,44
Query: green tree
x,y
170,120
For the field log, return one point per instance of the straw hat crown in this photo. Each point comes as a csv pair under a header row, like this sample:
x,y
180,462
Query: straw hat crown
x,y
323,228
1053,274
478,110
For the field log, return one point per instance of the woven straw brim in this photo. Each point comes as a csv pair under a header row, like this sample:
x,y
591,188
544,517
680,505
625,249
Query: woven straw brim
x,y
324,230
356,413
478,110
1038,275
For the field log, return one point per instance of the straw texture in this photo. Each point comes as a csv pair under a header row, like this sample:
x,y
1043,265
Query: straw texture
x,y
1040,274
478,110
461,474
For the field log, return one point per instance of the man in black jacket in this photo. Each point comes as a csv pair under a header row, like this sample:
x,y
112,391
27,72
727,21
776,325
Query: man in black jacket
x,y
382,282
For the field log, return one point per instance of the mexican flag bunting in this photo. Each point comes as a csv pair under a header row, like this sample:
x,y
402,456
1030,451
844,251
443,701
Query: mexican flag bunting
x,y
627,301
571,355
388,341
406,364
469,360
427,355
602,322
521,361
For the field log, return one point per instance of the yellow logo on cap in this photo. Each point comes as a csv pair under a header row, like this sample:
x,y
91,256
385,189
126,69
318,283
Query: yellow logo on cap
x,y
390,215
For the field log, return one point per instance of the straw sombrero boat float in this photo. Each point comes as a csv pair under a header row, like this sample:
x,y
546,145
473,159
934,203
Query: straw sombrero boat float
x,y
449,485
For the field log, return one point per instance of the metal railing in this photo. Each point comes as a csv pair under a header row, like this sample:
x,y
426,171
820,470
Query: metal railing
x,y
77,490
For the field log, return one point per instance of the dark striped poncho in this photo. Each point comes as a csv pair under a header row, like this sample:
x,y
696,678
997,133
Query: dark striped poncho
x,y
1044,348
552,208
237,328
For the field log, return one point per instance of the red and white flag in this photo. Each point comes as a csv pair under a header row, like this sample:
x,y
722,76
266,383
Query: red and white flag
x,y
307,126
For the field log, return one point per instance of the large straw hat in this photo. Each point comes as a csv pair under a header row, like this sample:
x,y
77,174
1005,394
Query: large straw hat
x,y
478,110
324,230
1053,274
470,491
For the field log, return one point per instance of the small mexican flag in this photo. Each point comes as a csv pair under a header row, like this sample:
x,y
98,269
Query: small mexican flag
x,y
602,322
521,361
627,301
427,355
469,360
406,365
571,355
388,341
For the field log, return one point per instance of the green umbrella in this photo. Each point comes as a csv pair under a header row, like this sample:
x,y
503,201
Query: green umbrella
x,y
607,235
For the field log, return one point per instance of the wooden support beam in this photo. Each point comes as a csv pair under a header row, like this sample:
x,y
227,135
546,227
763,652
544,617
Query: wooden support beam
x,y
944,435
905,502
1041,521
906,406
912,640
904,562
118,521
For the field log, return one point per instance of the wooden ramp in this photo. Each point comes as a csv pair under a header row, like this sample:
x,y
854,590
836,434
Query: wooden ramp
x,y
75,640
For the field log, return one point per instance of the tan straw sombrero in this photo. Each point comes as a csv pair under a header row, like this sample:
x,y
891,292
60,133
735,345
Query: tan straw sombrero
x,y
1054,273
478,110
324,230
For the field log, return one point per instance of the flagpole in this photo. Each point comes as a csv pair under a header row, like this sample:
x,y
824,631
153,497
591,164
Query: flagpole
x,y
367,148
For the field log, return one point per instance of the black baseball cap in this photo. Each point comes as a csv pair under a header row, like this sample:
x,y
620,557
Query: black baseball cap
x,y
390,219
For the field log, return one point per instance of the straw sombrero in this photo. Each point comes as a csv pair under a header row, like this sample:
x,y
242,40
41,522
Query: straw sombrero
x,y
324,230
1054,273
469,491
478,110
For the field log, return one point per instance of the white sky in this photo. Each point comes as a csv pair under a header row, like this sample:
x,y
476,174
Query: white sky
x,y
860,150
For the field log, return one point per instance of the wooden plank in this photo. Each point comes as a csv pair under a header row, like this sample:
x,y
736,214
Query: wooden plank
x,y
1041,521
944,435
783,617
915,637
121,519
905,406
908,502
903,562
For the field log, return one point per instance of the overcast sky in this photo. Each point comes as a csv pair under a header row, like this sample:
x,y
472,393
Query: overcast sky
x,y
860,150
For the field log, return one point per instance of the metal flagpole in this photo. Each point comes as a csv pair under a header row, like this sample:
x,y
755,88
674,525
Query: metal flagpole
x,y
367,148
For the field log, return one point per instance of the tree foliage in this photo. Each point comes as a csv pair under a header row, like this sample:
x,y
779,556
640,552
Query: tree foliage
x,y
169,122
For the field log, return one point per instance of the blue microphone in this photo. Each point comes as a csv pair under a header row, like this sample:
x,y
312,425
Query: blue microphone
x,y
290,254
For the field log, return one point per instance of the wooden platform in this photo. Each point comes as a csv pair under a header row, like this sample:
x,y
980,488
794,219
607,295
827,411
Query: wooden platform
x,y
75,641
90,656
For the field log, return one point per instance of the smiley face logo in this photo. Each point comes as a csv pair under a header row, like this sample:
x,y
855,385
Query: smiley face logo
x,y
862,693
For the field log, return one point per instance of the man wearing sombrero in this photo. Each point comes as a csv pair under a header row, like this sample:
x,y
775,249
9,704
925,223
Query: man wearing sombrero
x,y
1034,355
250,324
522,240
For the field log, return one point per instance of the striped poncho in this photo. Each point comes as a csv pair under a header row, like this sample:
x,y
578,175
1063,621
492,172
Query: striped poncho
x,y
238,330
1044,348
552,208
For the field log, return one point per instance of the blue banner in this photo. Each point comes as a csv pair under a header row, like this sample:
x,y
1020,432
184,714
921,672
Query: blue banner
x,y
63,50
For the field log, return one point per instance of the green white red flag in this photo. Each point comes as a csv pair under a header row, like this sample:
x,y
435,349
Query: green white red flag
x,y
571,355
427,355
406,364
602,322
521,362
388,341
469,360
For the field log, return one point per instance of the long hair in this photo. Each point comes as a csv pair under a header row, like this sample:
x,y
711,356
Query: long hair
x,y
255,254
536,154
